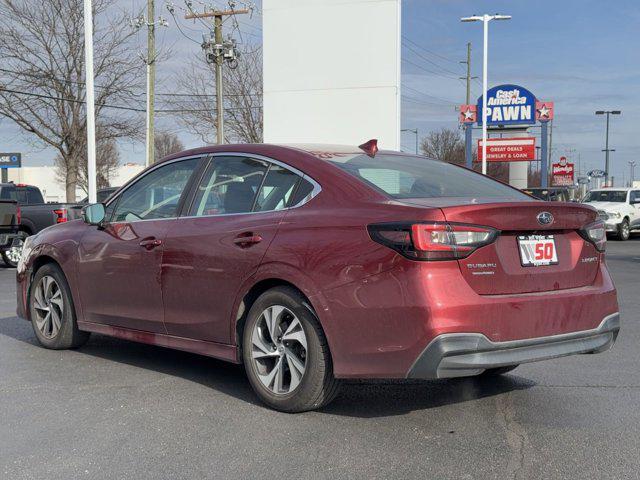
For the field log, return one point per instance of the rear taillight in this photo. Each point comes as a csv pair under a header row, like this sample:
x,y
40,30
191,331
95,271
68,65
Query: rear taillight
x,y
432,241
18,215
61,215
596,234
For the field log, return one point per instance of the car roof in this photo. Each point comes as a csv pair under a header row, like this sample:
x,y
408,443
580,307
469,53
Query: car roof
x,y
613,189
319,150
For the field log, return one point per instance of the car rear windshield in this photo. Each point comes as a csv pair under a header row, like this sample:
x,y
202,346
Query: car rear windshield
x,y
606,196
409,176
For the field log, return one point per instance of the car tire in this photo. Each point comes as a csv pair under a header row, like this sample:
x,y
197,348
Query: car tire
x,y
285,353
623,230
11,256
52,311
493,372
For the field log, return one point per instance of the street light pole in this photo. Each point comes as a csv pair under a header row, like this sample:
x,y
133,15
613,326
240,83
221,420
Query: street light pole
x,y
632,168
415,132
91,120
606,148
485,19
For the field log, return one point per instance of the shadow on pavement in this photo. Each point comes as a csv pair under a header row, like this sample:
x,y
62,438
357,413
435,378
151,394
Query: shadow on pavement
x,y
365,399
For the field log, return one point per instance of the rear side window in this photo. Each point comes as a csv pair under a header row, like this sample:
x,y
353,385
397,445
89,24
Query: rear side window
x,y
402,176
8,193
303,190
229,186
277,189
34,195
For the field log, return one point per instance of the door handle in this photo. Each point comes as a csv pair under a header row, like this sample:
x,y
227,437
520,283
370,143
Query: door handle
x,y
246,240
150,243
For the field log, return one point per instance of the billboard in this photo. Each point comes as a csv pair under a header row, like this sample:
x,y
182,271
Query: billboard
x,y
10,160
509,149
508,105
562,173
332,71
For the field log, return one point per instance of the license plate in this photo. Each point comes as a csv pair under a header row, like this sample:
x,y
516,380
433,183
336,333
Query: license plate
x,y
537,250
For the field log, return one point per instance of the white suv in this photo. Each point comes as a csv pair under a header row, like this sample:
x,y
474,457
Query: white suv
x,y
618,207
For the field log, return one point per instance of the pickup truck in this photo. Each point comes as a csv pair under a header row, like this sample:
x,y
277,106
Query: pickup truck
x,y
9,222
35,214
618,207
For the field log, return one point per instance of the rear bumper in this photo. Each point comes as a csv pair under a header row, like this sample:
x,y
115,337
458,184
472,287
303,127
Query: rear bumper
x,y
467,354
6,238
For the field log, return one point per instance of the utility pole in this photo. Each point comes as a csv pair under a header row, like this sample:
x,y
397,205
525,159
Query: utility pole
x,y
150,62
468,77
217,51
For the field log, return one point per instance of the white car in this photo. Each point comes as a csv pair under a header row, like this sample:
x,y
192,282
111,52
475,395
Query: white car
x,y
618,207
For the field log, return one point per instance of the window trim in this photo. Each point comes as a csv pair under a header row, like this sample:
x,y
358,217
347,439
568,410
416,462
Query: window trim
x,y
203,159
211,158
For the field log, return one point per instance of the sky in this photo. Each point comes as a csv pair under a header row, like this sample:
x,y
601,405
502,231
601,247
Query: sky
x,y
582,55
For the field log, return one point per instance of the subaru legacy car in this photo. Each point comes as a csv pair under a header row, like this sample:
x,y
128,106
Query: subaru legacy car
x,y
311,264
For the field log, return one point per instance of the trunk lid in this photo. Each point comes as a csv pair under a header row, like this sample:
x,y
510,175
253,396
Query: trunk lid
x,y
497,269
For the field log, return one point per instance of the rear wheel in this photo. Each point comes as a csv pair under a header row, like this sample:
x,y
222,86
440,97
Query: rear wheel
x,y
285,353
492,372
11,255
51,310
624,230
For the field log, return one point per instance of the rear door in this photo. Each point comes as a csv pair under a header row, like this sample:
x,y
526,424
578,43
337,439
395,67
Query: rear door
x,y
220,242
528,255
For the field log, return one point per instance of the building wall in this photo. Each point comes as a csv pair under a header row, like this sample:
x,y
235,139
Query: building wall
x,y
45,178
332,71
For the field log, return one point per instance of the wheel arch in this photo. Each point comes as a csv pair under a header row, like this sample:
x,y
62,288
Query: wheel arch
x,y
251,294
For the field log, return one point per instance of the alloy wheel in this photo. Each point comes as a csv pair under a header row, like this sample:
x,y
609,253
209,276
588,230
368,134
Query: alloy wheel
x,y
279,350
48,304
13,253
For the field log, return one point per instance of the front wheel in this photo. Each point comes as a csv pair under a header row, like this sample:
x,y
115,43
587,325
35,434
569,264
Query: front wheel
x,y
11,255
51,310
285,353
624,231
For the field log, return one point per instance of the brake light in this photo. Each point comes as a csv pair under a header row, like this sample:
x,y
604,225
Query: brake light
x,y
18,215
596,234
432,241
61,215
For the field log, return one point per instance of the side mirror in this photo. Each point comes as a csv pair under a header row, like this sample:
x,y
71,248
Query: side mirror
x,y
93,214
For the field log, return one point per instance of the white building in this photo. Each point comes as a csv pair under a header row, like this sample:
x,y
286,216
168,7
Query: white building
x,y
332,71
45,179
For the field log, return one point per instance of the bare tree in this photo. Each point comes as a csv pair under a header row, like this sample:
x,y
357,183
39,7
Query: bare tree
x,y
446,145
107,162
243,99
42,85
166,143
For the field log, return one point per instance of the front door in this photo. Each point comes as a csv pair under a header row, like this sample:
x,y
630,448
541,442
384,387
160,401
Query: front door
x,y
212,251
119,263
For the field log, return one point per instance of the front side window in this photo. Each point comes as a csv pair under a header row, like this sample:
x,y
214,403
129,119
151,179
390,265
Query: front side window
x,y
635,196
157,194
229,186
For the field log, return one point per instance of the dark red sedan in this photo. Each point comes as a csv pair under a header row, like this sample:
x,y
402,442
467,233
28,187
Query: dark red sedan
x,y
311,264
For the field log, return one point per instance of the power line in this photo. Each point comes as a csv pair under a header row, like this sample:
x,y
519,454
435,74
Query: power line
x,y
427,70
430,61
120,107
427,95
429,51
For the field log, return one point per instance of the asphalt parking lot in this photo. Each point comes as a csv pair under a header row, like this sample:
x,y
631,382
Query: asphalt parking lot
x,y
117,410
